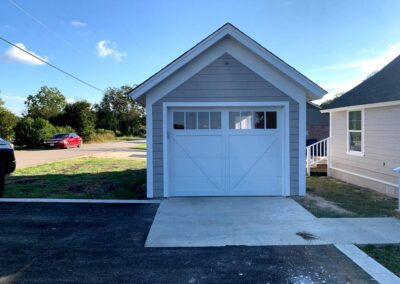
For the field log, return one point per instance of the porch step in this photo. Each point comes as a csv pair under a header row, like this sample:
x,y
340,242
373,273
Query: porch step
x,y
319,169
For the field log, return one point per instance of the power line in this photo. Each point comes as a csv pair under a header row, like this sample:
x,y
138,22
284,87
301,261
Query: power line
x,y
43,25
51,65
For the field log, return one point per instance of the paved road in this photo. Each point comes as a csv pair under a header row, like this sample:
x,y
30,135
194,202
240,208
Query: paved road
x,y
104,243
37,157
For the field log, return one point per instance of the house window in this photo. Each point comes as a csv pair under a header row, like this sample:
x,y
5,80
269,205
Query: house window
x,y
355,132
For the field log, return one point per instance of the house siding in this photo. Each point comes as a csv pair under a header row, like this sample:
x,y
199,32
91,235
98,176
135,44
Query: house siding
x,y
317,123
219,82
381,149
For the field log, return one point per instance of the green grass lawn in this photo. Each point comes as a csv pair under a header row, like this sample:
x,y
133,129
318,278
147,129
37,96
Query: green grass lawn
x,y
139,147
387,255
355,201
88,177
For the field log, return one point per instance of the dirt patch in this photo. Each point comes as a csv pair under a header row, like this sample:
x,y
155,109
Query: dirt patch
x,y
122,155
307,236
25,181
324,204
98,188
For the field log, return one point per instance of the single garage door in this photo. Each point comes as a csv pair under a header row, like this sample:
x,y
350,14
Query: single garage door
x,y
225,151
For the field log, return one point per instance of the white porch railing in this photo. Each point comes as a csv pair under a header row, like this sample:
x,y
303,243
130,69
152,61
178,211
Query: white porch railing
x,y
397,170
317,153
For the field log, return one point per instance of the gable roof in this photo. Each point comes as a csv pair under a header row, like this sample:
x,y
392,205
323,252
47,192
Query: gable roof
x,y
313,90
382,87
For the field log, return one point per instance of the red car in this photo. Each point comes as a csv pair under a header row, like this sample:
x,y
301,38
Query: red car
x,y
64,141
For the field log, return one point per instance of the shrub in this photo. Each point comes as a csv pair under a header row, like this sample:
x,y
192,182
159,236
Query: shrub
x,y
103,135
8,120
31,133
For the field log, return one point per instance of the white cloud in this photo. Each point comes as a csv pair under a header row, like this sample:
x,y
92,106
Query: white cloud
x,y
368,65
14,54
13,103
107,48
363,69
78,24
10,97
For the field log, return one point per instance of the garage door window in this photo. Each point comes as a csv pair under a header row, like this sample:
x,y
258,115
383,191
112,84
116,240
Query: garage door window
x,y
271,119
179,120
252,120
215,120
197,120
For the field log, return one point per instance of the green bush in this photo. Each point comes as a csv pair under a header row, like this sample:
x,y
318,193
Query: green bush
x,y
8,120
31,133
103,135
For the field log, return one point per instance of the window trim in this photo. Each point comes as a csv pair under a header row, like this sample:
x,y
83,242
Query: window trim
x,y
348,131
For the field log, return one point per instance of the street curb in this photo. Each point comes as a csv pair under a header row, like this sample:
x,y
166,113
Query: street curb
x,y
368,264
62,200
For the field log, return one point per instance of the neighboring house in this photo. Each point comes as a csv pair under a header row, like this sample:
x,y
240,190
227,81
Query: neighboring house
x,y
227,118
317,123
365,132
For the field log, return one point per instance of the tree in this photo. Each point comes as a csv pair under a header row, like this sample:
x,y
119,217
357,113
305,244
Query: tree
x,y
31,132
326,103
47,103
118,112
8,120
79,116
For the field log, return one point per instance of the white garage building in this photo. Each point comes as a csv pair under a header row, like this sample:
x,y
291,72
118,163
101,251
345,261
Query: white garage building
x,y
227,118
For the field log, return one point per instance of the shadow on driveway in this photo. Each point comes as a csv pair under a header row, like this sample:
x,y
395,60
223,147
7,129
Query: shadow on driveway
x,y
104,243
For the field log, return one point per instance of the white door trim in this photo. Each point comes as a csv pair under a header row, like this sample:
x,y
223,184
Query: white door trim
x,y
286,135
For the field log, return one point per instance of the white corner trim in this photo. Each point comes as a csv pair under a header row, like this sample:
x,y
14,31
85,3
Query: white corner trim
x,y
286,133
67,200
368,264
165,149
329,147
348,151
302,146
286,148
366,177
375,105
313,89
149,142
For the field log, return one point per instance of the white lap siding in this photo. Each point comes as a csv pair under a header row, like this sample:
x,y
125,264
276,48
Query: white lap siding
x,y
224,80
381,149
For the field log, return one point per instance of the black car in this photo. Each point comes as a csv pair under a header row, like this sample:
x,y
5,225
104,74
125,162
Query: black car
x,y
7,161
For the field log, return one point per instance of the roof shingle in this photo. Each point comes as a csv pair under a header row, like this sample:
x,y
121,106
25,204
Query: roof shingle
x,y
384,86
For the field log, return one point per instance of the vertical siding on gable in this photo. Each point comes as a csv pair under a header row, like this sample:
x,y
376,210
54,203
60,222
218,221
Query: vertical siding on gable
x,y
381,147
221,82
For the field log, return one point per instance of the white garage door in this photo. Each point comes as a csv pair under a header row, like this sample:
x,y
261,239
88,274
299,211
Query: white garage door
x,y
225,151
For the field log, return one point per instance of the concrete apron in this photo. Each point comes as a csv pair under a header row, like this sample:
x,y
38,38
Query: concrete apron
x,y
258,221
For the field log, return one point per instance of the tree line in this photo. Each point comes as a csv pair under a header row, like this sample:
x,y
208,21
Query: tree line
x,y
48,112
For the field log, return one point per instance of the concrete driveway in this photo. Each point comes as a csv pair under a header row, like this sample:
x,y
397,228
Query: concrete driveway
x,y
36,157
253,221
104,243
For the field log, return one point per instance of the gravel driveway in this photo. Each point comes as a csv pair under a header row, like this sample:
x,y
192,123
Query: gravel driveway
x,y
36,157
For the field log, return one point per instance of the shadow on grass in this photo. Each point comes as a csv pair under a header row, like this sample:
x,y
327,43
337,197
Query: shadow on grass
x,y
126,184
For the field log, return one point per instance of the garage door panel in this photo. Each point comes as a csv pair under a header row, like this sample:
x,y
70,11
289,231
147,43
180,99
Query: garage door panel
x,y
198,166
197,184
258,186
249,145
240,166
197,146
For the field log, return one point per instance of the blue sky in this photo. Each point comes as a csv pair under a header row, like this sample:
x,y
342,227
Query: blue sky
x,y
111,43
